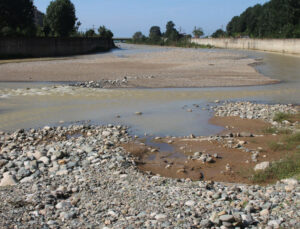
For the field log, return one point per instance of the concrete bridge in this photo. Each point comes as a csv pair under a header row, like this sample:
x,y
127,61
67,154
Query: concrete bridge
x,y
121,39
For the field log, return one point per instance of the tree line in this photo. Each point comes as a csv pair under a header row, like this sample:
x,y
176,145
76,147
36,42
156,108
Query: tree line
x,y
274,19
20,18
171,36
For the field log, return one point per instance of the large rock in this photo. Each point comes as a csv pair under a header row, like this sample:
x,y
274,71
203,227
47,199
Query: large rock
x,y
262,166
8,180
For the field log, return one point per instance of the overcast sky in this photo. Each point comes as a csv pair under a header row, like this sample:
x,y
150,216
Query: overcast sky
x,y
124,17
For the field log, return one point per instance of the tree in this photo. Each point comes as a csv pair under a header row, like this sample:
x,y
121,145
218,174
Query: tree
x,y
198,32
61,18
219,33
138,37
90,33
16,17
155,34
105,33
171,33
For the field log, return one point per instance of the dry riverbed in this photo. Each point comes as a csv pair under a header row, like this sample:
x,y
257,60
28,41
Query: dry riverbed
x,y
82,176
173,67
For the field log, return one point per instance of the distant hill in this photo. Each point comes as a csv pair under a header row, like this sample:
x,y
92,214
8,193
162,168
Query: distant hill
x,y
38,17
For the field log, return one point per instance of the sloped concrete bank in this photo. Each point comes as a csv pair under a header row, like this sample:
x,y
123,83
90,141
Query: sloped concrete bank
x,y
52,47
290,46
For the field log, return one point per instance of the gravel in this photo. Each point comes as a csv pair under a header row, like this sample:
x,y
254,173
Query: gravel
x,y
80,177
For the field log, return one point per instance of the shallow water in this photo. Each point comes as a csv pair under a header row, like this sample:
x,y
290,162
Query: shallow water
x,y
164,110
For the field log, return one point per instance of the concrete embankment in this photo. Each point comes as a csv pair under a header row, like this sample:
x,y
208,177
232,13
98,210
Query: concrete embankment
x,y
291,46
51,47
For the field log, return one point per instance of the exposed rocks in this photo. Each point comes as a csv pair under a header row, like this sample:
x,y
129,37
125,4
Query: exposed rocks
x,y
254,111
262,166
102,83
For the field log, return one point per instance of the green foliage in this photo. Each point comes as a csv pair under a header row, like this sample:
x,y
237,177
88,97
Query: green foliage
x,y
16,18
105,33
274,19
285,168
219,33
289,143
171,33
90,33
280,116
138,37
198,32
61,18
274,130
155,34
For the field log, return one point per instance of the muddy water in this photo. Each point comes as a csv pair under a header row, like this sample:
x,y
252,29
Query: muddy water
x,y
165,111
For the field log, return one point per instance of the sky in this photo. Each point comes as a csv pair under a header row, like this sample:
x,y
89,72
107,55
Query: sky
x,y
125,17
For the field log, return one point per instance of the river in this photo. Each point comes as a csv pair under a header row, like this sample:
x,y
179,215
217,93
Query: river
x,y
165,111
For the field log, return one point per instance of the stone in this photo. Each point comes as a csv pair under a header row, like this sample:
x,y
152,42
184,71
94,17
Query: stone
x,y
190,203
264,212
8,180
161,217
227,218
262,166
45,160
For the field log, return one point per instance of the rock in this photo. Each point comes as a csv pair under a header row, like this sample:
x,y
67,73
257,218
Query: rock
x,y
190,203
138,113
245,134
262,166
264,212
227,218
45,160
290,181
8,180
161,217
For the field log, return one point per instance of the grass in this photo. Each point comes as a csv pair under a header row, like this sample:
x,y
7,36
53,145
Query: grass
x,y
285,168
274,130
280,116
289,142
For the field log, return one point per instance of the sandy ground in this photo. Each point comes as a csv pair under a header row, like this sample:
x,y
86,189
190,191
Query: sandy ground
x,y
167,68
239,161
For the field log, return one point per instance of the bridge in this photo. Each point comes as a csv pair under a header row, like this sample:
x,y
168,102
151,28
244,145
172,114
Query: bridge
x,y
121,39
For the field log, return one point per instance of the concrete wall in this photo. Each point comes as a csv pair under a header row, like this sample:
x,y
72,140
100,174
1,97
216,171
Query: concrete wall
x,y
291,46
49,47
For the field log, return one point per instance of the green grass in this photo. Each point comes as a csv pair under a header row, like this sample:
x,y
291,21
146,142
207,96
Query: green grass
x,y
285,168
274,130
280,116
289,142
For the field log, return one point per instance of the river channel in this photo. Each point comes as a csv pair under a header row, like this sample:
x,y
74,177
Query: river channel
x,y
165,111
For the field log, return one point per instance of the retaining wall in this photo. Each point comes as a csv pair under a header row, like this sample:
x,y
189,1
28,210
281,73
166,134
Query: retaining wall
x,y
50,47
291,46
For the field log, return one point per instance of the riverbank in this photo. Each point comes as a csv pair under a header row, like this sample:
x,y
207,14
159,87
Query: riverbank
x,y
171,67
80,176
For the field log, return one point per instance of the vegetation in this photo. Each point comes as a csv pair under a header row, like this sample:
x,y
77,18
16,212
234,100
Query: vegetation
x,y
21,18
198,32
171,37
219,33
274,19
60,18
279,117
105,33
285,168
290,142
16,18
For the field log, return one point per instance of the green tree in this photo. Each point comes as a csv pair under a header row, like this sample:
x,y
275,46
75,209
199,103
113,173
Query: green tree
x,y
219,33
171,33
90,33
105,33
155,34
198,32
138,37
61,18
17,17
